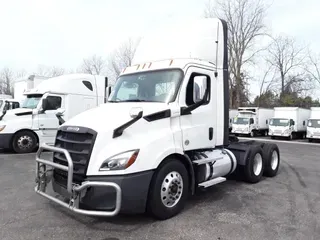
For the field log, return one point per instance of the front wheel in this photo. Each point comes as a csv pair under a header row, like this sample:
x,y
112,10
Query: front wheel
x,y
168,190
24,142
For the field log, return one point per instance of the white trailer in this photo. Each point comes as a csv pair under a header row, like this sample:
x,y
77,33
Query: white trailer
x,y
252,121
148,150
23,129
289,122
313,126
25,84
232,114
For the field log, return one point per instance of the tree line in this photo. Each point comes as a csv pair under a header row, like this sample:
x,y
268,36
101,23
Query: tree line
x,y
288,71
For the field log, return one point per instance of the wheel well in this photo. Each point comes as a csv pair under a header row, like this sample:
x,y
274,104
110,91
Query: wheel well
x,y
24,130
185,160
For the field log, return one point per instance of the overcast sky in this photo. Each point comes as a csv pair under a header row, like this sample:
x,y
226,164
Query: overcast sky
x,y
63,32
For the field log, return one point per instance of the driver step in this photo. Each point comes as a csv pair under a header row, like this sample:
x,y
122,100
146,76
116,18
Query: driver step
x,y
212,182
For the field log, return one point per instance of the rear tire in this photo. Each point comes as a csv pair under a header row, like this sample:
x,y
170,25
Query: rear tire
x,y
168,190
271,155
24,142
253,170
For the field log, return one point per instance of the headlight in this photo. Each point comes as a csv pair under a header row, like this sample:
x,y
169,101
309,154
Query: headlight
x,y
2,127
120,161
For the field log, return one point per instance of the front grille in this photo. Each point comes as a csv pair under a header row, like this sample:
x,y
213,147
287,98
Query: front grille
x,y
79,144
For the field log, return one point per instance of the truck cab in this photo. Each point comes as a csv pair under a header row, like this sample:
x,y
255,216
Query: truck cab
x,y
8,104
244,123
35,122
313,126
162,134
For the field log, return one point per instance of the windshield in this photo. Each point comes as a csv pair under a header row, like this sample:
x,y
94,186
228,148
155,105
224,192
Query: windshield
x,y
155,86
314,123
241,120
31,101
279,122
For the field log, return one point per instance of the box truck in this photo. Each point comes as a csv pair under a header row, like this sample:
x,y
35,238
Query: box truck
x,y
252,121
313,126
150,149
25,84
23,129
289,122
232,114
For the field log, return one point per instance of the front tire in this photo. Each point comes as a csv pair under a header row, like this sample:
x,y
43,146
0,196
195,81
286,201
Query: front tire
x,y
168,190
253,170
24,142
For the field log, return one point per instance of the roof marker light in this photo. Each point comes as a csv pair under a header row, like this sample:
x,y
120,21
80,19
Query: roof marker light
x,y
171,62
143,66
150,65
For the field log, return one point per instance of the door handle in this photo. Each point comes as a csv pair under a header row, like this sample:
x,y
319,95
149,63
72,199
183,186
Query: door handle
x,y
210,133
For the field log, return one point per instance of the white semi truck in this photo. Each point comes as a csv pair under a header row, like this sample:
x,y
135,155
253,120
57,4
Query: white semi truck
x,y
289,122
23,129
232,114
252,121
313,126
148,150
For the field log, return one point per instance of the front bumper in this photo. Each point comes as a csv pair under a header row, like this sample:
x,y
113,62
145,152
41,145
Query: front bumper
x,y
98,195
5,140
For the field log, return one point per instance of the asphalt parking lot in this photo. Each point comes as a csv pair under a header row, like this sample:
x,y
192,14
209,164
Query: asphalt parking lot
x,y
284,207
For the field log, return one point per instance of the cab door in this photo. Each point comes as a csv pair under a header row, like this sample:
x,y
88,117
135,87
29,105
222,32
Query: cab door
x,y
47,120
198,127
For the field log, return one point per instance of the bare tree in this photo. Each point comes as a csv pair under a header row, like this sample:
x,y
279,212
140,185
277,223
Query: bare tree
x,y
288,58
122,56
93,65
245,19
6,79
47,71
313,67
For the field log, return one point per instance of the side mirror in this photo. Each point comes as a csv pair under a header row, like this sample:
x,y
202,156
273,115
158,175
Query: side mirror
x,y
187,110
293,123
251,121
60,112
45,104
59,115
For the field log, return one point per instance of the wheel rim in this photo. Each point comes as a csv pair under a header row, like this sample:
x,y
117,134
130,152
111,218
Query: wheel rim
x,y
257,164
25,142
274,160
171,189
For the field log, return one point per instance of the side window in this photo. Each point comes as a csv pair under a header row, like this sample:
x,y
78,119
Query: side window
x,y
196,88
88,85
127,91
54,102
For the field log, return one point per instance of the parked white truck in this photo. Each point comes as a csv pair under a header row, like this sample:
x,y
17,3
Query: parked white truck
x,y
289,122
313,126
232,114
7,103
147,150
23,129
252,121
25,84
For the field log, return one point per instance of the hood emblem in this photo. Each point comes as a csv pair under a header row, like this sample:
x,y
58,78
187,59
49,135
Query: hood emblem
x,y
73,129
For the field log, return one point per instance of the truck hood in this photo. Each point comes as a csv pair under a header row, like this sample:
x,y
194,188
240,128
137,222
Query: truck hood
x,y
112,115
14,113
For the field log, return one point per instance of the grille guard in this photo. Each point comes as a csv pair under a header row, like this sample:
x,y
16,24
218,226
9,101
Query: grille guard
x,y
74,190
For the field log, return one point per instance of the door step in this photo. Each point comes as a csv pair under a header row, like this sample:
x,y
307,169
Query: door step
x,y
212,182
